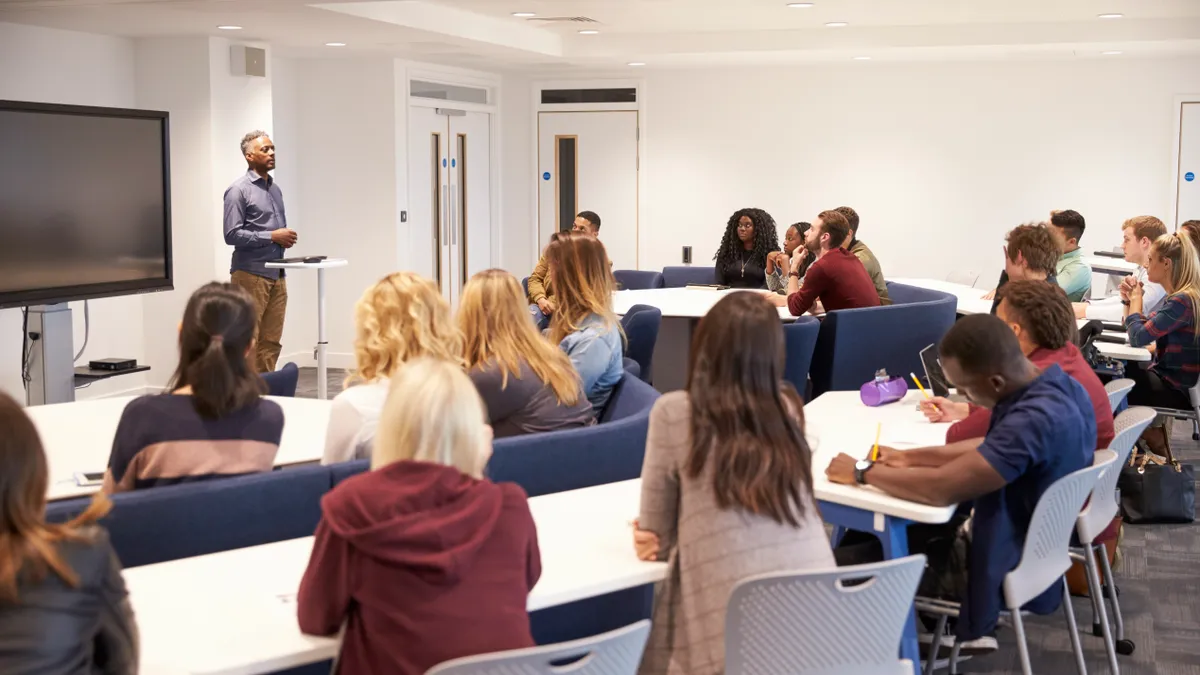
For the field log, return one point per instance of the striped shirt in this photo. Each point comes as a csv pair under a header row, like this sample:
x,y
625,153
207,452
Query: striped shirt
x,y
162,440
1173,330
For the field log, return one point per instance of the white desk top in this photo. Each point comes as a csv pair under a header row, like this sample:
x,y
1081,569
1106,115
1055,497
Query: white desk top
x,y
970,299
235,612
323,265
691,303
837,421
78,437
1113,266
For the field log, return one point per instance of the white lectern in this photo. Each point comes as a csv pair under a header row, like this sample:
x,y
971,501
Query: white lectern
x,y
319,352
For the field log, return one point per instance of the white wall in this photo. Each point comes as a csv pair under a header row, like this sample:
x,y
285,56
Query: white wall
x,y
517,171
940,160
54,66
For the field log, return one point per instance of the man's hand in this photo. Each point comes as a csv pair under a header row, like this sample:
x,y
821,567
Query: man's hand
x,y
893,458
645,543
284,237
546,306
841,469
775,298
1080,309
798,257
938,409
991,295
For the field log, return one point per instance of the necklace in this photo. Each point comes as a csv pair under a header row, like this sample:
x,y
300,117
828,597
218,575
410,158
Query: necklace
x,y
745,259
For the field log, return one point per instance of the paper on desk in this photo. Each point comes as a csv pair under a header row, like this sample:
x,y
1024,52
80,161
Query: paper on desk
x,y
913,435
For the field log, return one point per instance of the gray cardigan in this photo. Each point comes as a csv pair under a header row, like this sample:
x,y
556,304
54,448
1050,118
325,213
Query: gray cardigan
x,y
526,405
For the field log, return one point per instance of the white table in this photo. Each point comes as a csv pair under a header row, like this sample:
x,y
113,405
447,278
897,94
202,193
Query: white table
x,y
234,612
319,352
1110,266
681,308
78,437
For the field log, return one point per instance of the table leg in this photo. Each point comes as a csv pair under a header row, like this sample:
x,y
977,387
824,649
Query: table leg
x,y
322,373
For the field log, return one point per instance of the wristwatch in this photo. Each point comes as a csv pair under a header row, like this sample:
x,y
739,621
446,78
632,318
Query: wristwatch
x,y
861,467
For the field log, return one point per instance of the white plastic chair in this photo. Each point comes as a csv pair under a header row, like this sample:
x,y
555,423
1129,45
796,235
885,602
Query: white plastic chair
x,y
616,652
1044,560
1192,415
813,622
1095,517
964,277
1117,391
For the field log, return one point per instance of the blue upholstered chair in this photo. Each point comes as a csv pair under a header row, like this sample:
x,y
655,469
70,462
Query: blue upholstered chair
x,y
557,461
180,521
638,280
678,277
641,324
283,382
800,339
343,470
854,343
525,286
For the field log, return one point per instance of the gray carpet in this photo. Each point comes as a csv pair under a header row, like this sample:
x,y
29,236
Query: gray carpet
x,y
1159,578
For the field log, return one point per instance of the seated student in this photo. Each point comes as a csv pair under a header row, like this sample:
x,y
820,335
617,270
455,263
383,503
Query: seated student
x,y
1042,429
214,421
1071,271
402,317
422,559
837,279
584,325
741,259
1138,234
779,262
864,255
1192,228
63,603
1030,254
1172,329
707,505
541,294
528,385
1041,317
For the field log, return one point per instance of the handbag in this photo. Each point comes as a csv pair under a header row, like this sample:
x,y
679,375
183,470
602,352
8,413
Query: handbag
x,y
1153,491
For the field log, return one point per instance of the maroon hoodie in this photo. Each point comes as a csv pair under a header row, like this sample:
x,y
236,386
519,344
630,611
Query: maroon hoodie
x,y
424,564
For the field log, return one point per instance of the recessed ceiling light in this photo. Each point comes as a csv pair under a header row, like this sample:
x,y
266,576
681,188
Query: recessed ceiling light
x,y
1112,53
335,44
1111,16
229,27
635,64
862,58
836,24
589,32
799,5
523,15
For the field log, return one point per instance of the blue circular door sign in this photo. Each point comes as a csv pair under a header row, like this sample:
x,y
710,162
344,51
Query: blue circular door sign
x,y
453,163
443,162
546,176
1189,176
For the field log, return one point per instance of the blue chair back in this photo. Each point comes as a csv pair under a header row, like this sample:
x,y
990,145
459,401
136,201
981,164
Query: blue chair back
x,y
854,343
641,324
343,470
557,461
282,382
678,277
180,521
525,287
638,280
800,339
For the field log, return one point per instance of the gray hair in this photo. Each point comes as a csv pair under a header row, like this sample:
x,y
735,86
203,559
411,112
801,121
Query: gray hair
x,y
250,138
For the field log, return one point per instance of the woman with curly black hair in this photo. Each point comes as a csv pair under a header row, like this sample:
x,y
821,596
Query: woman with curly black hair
x,y
742,257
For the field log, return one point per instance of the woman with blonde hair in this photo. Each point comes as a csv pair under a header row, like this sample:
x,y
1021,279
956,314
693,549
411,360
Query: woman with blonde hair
x,y
400,318
1172,263
63,604
527,384
584,325
421,558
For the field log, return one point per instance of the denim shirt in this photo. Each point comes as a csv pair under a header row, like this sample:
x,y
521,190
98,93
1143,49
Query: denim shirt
x,y
597,353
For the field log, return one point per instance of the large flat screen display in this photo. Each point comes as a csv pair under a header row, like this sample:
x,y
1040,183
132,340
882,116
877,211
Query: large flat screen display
x,y
84,203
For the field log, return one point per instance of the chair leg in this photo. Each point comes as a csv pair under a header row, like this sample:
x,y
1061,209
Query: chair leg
x,y
954,657
1073,629
1022,646
931,657
1095,597
1089,563
1123,646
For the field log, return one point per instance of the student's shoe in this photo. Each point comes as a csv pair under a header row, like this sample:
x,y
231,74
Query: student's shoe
x,y
979,646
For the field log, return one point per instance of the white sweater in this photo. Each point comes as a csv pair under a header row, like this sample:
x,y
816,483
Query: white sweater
x,y
353,420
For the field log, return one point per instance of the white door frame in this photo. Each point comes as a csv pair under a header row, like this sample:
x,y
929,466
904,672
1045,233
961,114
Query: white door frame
x,y
539,107
468,78
1176,149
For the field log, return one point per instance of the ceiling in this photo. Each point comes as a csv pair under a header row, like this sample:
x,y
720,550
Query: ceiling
x,y
661,33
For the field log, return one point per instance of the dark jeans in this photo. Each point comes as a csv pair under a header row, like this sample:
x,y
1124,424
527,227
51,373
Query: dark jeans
x,y
1151,390
943,545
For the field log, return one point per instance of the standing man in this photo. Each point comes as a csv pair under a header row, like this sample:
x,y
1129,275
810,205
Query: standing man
x,y
256,228
837,279
541,295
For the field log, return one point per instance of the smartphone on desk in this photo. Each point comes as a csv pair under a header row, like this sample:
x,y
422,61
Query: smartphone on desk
x,y
89,479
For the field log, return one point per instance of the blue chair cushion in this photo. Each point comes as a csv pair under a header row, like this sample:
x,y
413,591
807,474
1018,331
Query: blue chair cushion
x,y
343,470
641,325
283,382
678,277
638,280
800,339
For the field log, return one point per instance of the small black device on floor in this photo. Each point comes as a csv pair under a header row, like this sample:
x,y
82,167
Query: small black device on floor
x,y
112,364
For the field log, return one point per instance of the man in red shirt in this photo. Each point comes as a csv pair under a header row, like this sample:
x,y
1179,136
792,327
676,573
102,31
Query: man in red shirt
x,y
1044,322
837,279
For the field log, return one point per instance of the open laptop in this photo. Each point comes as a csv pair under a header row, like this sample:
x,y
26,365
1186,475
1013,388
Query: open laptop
x,y
933,372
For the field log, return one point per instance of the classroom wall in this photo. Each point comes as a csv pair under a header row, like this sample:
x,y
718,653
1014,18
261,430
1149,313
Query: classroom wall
x,y
56,66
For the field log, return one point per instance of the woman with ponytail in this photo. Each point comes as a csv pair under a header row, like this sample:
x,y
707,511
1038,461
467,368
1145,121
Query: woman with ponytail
x,y
1172,263
214,421
63,604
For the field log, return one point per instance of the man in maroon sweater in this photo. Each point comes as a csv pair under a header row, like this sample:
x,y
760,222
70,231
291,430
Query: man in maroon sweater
x,y
837,279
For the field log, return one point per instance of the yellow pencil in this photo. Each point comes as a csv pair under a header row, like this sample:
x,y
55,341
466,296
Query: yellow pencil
x,y
918,383
875,450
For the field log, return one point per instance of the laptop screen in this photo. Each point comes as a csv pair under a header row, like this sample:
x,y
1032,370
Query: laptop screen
x,y
933,372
